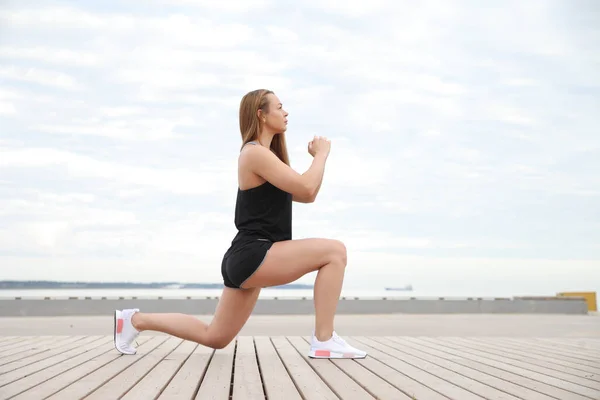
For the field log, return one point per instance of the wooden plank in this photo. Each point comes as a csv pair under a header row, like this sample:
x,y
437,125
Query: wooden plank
x,y
24,346
374,384
409,385
55,357
579,355
396,367
579,346
83,355
593,342
186,381
247,383
68,377
217,379
563,348
483,376
591,366
535,350
307,381
157,379
32,359
20,346
125,380
277,382
14,341
552,362
556,386
447,350
34,349
527,365
98,377
452,379
432,382
586,346
7,339
341,384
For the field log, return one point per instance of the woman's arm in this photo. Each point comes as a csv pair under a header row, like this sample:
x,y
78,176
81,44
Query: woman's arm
x,y
303,187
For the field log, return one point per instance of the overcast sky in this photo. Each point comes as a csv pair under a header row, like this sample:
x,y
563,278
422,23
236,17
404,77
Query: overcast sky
x,y
465,137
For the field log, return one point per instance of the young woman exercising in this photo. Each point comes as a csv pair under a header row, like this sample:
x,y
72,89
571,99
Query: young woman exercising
x,y
262,253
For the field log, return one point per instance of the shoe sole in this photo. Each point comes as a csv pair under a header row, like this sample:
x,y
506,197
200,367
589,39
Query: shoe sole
x,y
116,317
332,354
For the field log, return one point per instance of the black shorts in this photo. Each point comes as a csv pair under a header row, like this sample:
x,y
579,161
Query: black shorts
x,y
241,261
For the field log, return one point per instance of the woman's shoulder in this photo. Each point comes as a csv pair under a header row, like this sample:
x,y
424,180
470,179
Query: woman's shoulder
x,y
253,152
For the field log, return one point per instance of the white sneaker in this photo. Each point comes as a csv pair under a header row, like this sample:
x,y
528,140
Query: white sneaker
x,y
335,347
125,333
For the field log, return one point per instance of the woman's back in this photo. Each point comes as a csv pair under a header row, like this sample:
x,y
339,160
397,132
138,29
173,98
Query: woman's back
x,y
262,211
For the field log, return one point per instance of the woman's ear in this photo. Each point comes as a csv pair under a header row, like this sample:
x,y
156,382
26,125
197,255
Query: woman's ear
x,y
261,116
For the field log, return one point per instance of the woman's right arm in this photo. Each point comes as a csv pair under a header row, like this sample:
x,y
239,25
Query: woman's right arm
x,y
303,187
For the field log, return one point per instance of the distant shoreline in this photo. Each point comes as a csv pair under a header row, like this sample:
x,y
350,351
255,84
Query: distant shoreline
x,y
24,285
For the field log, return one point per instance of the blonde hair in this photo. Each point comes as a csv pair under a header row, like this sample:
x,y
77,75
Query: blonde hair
x,y
250,123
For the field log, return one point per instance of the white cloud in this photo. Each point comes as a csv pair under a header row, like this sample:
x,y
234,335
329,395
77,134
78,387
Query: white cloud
x,y
510,115
461,151
229,6
58,56
63,18
180,181
7,108
40,76
125,130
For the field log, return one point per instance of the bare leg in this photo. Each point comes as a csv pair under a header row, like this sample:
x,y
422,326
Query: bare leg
x,y
233,310
288,261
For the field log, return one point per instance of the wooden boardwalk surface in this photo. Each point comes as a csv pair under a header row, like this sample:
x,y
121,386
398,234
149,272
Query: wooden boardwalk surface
x,y
276,367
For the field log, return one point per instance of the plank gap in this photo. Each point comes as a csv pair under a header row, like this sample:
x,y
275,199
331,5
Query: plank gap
x,y
260,373
365,386
287,369
210,358
232,370
161,391
335,392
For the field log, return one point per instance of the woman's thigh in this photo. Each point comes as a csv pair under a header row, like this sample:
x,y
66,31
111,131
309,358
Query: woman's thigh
x,y
289,260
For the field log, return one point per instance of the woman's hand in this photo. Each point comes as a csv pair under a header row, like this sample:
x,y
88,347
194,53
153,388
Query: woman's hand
x,y
319,145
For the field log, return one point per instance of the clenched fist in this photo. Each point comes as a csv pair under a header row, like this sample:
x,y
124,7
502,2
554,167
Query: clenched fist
x,y
319,145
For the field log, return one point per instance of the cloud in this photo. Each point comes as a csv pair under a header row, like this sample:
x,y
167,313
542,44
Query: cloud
x,y
7,108
57,56
464,154
175,181
235,6
40,76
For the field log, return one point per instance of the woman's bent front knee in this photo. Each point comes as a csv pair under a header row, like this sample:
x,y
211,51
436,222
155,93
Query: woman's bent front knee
x,y
218,342
339,253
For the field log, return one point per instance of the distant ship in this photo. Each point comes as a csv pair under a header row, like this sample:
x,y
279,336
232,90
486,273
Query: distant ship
x,y
407,288
173,286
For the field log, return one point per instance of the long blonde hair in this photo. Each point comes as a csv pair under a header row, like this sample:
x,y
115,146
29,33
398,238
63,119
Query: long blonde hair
x,y
250,124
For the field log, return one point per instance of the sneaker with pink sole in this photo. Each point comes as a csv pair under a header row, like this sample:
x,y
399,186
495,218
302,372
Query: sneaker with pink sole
x,y
124,332
335,347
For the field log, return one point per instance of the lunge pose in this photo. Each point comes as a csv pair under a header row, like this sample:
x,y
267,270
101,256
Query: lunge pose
x,y
262,253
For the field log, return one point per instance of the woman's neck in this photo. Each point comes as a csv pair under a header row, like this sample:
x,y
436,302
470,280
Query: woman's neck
x,y
265,139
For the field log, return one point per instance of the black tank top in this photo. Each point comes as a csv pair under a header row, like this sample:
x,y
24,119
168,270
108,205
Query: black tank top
x,y
263,212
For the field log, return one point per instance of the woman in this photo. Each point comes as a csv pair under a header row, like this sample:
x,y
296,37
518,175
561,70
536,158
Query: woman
x,y
262,254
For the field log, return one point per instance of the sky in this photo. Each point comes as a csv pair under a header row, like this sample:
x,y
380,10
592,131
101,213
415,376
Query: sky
x,y
465,143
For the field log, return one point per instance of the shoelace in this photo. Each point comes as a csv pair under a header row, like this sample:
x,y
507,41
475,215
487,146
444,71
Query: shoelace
x,y
339,340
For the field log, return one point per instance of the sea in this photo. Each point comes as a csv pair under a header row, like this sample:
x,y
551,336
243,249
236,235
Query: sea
x,y
265,293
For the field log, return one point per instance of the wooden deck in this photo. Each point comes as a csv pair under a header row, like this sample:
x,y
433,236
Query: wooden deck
x,y
397,368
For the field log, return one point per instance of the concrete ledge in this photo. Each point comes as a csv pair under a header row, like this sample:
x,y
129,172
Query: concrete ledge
x,y
28,307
